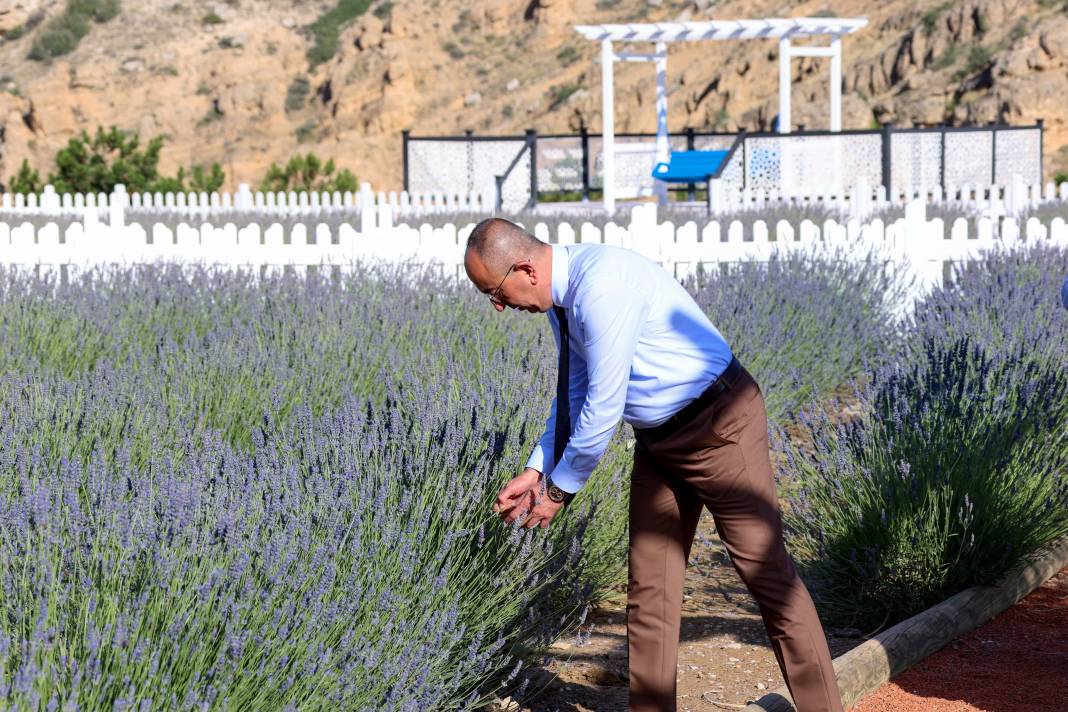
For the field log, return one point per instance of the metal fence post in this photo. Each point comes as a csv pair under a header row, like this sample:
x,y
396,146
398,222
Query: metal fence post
x,y
993,154
585,138
886,158
532,146
405,136
1040,123
942,158
469,133
689,147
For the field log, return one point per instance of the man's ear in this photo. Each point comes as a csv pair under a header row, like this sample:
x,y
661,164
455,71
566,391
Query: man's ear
x,y
528,267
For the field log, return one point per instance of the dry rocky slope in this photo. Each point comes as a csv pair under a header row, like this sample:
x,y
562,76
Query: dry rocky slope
x,y
229,91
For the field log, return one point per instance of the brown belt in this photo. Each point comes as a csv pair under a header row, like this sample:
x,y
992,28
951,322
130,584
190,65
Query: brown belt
x,y
690,411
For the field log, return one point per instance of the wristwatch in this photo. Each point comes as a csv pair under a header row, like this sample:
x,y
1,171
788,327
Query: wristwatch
x,y
555,493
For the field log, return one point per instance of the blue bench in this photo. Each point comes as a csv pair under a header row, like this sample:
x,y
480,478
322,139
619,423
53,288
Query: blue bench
x,y
691,167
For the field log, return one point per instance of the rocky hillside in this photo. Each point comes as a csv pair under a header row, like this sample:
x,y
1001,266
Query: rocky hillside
x,y
231,81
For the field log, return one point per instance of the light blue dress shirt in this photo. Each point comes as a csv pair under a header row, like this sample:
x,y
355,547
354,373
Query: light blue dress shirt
x,y
641,349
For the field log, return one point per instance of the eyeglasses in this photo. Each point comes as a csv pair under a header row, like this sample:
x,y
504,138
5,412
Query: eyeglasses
x,y
495,295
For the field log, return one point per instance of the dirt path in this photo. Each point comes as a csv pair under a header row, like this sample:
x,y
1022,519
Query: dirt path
x,y
724,657
1017,662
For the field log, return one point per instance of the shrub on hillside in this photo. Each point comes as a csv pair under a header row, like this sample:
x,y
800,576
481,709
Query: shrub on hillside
x,y
327,28
62,34
308,173
95,164
27,180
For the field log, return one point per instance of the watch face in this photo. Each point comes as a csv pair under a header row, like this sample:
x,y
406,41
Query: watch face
x,y
556,494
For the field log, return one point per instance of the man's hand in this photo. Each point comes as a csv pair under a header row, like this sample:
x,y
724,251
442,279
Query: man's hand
x,y
524,499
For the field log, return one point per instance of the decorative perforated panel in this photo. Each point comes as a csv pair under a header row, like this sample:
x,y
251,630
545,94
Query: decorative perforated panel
x,y
462,166
515,192
1019,152
969,157
560,164
811,165
916,159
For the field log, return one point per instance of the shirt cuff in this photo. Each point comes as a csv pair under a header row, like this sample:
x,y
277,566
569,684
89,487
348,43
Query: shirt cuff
x,y
539,461
568,478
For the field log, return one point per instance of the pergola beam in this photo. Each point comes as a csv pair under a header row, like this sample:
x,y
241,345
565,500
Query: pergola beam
x,y
771,28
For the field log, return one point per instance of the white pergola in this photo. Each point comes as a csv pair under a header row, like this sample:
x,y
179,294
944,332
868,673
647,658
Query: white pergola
x,y
663,32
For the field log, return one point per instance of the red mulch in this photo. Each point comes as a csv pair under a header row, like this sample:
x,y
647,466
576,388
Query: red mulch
x,y
1017,662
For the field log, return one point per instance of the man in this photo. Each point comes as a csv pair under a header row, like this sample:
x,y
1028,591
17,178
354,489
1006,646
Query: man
x,y
634,345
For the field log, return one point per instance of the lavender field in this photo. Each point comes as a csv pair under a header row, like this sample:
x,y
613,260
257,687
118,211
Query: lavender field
x,y
227,493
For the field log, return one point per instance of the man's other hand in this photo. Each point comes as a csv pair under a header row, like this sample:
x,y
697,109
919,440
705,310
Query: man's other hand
x,y
524,499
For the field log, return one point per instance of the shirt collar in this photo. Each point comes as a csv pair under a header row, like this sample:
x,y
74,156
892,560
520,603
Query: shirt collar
x,y
560,274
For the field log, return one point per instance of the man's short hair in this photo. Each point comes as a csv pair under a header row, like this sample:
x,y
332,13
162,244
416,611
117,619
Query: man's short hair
x,y
500,243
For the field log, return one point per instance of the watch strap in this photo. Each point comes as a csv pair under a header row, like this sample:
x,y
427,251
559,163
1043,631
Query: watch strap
x,y
555,493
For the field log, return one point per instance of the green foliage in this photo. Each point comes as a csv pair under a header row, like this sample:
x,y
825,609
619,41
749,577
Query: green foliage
x,y
297,94
453,50
1019,30
929,20
213,115
308,173
978,60
305,131
568,55
559,95
211,19
326,30
383,10
27,180
1060,177
95,164
948,58
62,34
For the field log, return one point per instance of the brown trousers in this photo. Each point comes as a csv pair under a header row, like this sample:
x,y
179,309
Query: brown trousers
x,y
720,460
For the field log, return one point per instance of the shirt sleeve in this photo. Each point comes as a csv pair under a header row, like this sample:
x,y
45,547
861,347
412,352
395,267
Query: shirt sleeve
x,y
610,323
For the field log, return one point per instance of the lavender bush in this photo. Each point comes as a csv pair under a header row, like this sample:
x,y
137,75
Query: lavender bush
x,y
804,325
227,493
955,466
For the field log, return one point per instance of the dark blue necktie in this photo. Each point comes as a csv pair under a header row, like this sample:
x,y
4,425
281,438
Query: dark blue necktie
x,y
563,397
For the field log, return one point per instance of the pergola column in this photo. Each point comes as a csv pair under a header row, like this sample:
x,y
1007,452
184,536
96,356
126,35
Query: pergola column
x,y
608,125
836,84
663,147
784,85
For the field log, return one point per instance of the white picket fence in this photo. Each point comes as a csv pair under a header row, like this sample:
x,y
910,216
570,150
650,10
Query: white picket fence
x,y
922,246
990,200
50,202
861,202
